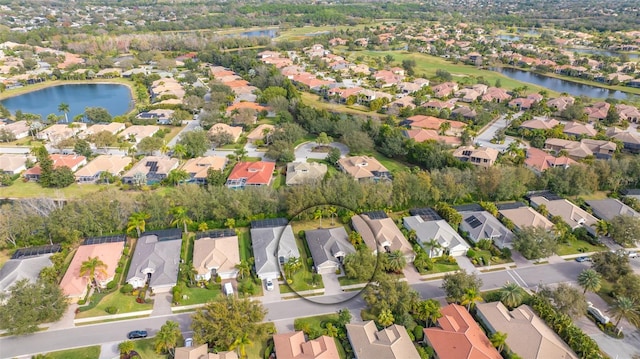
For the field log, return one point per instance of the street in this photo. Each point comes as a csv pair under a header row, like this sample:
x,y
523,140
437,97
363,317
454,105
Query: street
x,y
95,334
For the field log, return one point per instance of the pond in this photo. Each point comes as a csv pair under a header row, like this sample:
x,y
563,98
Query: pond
x,y
592,51
115,98
260,33
559,85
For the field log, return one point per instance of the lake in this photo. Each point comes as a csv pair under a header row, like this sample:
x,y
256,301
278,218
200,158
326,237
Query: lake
x,y
592,51
115,98
559,85
259,33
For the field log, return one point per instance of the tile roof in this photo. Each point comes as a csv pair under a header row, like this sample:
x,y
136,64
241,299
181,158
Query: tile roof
x,y
73,283
380,233
294,346
526,217
362,166
304,172
254,173
221,253
392,342
199,166
104,163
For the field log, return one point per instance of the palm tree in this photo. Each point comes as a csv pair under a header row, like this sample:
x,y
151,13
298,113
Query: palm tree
x,y
230,223
64,107
471,296
590,280
292,266
241,343
498,339
203,226
180,217
433,244
386,318
444,127
627,308
179,150
167,337
244,268
138,221
317,214
126,347
602,227
240,153
396,261
511,295
89,268
428,311
331,330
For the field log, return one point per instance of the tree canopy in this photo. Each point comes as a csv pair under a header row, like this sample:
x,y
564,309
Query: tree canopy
x,y
457,284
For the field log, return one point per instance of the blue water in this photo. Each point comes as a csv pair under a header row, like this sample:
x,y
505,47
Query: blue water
x,y
115,98
601,52
258,33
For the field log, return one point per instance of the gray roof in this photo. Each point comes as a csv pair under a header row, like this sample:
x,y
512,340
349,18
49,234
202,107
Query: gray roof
x,y
269,244
26,268
163,257
303,172
326,244
482,225
609,208
439,230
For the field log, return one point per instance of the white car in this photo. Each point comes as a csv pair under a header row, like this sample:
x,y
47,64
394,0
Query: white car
x,y
269,284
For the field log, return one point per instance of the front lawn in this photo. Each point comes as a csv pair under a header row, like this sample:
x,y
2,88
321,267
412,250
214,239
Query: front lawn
x,y
314,324
124,303
486,255
92,352
145,348
198,295
442,268
577,246
344,280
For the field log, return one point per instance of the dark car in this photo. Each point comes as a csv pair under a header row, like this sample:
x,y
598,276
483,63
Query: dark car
x,y
583,259
136,334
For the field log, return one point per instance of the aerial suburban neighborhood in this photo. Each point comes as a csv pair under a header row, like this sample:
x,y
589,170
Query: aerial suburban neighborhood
x,y
318,179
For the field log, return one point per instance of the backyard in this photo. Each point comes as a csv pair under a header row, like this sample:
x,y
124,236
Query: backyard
x,y
316,325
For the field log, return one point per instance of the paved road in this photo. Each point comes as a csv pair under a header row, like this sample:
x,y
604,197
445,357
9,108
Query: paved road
x,y
190,126
305,151
47,341
484,138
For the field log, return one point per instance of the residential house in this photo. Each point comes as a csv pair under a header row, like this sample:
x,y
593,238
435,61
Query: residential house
x,y
109,249
73,162
439,105
464,112
527,334
392,342
444,89
112,164
459,336
608,209
525,103
481,225
245,105
525,216
540,123
165,88
539,161
233,131
571,214
136,133
258,133
561,103
579,150
216,253
468,95
150,169
198,167
598,111
406,101
251,174
112,128
433,123
428,229
202,352
381,234
156,260
481,156
273,244
628,113
495,94
421,135
161,116
19,129
26,263
295,346
60,132
13,164
364,168
328,247
579,129
305,172
343,94
630,140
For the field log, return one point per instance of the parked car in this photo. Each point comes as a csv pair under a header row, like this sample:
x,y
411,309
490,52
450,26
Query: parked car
x,y
269,284
583,259
597,314
136,334
633,254
188,342
228,289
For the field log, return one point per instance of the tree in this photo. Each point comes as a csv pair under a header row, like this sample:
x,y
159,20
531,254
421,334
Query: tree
x,y
61,177
148,145
610,265
626,308
444,127
89,268
83,148
323,139
137,221
590,280
240,153
358,142
360,265
244,268
195,143
334,155
535,242
27,305
215,177
602,227
625,230
566,299
230,223
64,108
628,286
498,340
225,319
457,284
427,311
167,338
385,318
470,297
395,261
97,114
241,344
389,293
175,177
179,150
511,295
126,347
180,217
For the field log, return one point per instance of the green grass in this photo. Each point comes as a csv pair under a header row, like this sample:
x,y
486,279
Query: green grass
x,y
279,180
124,303
350,281
486,254
317,102
443,267
311,323
92,352
200,295
573,246
245,243
390,164
605,292
21,189
145,348
259,345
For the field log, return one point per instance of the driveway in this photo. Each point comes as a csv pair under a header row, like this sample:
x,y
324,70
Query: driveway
x,y
331,284
190,126
305,151
484,138
273,295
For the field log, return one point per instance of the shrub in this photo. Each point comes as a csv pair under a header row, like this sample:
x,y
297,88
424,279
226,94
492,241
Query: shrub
x,y
218,279
310,261
471,253
418,332
210,285
118,270
126,289
111,310
494,251
111,285
506,253
82,302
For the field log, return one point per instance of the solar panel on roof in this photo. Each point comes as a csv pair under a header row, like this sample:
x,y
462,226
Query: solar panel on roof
x,y
544,194
151,163
165,234
105,239
514,205
218,233
428,214
269,223
473,222
376,215
36,251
